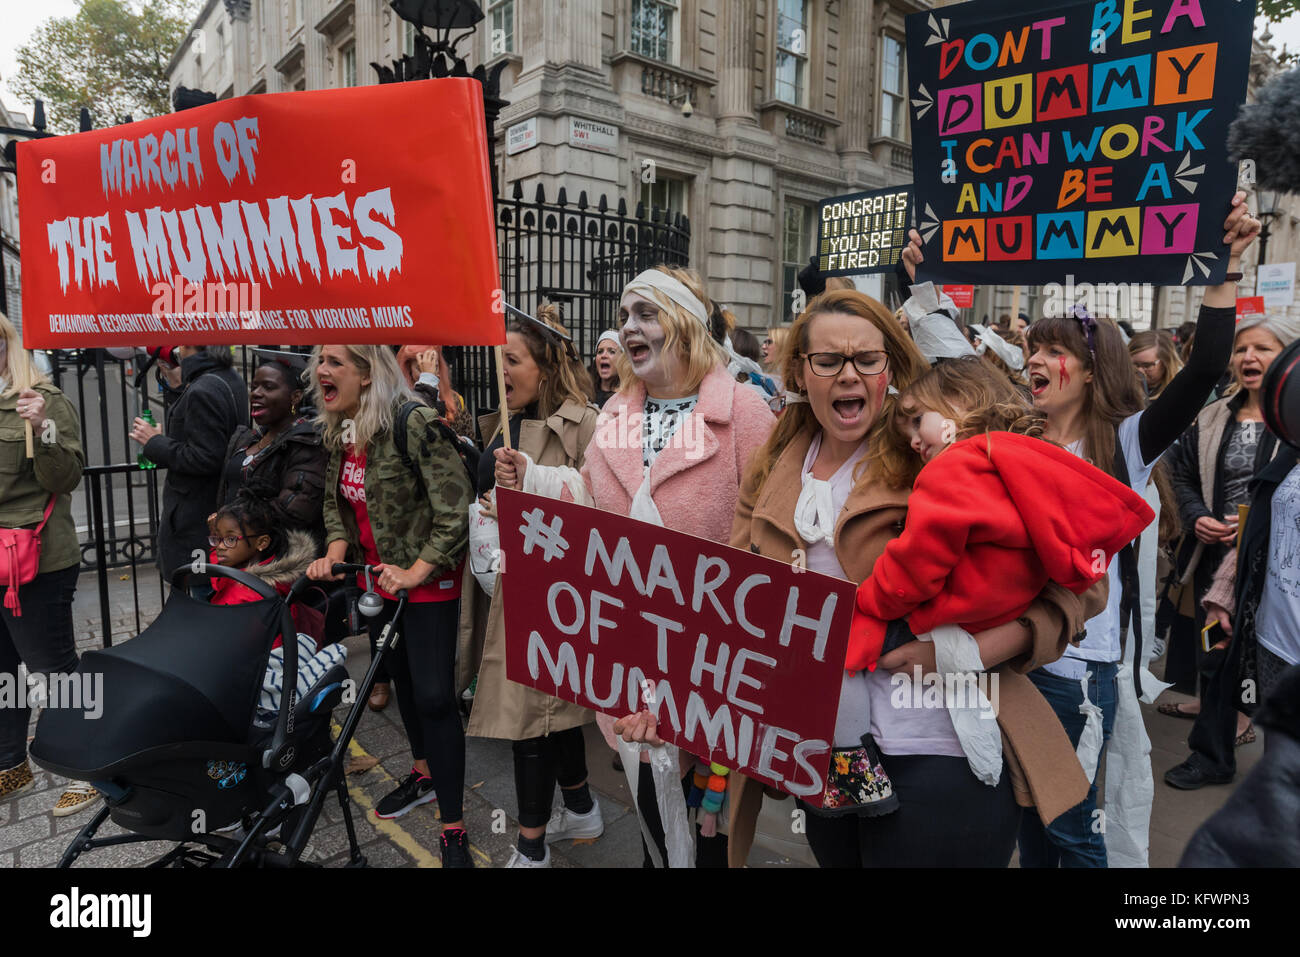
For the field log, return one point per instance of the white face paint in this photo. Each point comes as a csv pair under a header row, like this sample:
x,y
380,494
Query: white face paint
x,y
642,337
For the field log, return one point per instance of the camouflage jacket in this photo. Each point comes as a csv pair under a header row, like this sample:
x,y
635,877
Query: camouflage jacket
x,y
411,518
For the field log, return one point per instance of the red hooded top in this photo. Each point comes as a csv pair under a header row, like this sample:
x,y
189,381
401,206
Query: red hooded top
x,y
991,520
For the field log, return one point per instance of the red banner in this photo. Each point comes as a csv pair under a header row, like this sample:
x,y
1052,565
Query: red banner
x,y
359,215
1250,306
739,656
963,297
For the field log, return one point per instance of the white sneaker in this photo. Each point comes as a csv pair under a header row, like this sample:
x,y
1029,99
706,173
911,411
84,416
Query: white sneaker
x,y
523,860
565,825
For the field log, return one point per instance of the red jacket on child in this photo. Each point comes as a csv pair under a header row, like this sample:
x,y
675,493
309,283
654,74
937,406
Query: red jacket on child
x,y
991,520
278,571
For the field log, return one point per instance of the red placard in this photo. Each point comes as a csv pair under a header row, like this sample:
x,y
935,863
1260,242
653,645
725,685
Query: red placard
x,y
359,215
963,297
740,656
1250,306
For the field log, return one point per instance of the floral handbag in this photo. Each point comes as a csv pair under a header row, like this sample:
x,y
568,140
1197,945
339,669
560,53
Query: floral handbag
x,y
856,782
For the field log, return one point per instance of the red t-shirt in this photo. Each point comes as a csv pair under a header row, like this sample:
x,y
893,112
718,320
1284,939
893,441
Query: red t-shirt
x,y
352,486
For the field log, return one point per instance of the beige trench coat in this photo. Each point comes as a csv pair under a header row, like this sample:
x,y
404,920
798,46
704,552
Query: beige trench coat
x,y
503,709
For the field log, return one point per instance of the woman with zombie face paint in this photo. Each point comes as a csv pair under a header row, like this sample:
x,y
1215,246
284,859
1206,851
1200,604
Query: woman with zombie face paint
x,y
1082,378
692,427
834,480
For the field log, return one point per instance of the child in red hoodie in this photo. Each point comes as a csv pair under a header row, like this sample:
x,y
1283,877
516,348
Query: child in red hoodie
x,y
992,519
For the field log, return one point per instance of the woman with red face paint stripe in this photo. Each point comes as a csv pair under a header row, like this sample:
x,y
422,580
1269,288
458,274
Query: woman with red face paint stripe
x,y
1081,376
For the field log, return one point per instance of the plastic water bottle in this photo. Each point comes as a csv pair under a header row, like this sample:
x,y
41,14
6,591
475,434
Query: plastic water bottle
x,y
140,459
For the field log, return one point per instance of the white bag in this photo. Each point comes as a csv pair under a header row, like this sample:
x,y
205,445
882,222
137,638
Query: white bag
x,y
484,548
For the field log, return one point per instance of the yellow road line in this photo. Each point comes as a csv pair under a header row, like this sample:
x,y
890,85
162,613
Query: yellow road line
x,y
392,829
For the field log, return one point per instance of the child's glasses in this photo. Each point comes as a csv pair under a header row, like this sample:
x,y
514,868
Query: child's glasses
x,y
230,541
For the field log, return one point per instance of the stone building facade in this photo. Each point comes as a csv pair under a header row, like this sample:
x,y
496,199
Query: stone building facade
x,y
790,101
10,267
741,114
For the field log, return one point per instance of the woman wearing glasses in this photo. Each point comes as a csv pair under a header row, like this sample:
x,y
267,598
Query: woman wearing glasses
x,y
834,480
773,347
694,429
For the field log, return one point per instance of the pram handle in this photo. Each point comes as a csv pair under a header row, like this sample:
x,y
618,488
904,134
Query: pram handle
x,y
348,568
210,570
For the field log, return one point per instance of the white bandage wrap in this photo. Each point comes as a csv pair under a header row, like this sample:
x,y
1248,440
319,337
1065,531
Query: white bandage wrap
x,y
956,653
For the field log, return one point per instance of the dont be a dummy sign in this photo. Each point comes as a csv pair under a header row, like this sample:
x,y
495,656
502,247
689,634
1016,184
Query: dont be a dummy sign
x,y
1076,138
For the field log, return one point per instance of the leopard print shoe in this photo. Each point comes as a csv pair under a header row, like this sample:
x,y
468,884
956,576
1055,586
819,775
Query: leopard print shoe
x,y
78,796
16,780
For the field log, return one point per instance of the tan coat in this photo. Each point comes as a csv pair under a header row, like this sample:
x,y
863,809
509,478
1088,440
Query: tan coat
x,y
502,708
1042,765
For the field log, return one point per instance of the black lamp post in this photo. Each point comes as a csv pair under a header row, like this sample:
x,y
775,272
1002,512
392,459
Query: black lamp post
x,y
436,56
1269,210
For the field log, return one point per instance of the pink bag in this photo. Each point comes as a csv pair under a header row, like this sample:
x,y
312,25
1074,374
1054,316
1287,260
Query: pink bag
x,y
20,558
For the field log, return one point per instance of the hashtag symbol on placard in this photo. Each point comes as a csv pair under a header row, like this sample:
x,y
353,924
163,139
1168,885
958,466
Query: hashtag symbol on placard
x,y
546,536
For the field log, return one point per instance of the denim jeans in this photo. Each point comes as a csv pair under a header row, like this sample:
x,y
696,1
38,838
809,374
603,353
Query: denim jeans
x,y
1077,837
41,639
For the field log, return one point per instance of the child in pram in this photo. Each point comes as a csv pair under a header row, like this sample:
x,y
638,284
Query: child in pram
x,y
245,535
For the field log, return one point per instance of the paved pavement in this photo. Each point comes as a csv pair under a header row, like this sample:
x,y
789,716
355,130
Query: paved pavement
x,y
31,837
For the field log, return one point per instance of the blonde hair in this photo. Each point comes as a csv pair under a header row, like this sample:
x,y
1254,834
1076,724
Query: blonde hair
x,y
564,377
779,335
685,334
22,372
975,396
378,403
889,457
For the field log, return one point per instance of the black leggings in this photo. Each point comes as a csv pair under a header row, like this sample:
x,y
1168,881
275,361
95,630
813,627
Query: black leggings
x,y
423,670
541,762
44,640
946,818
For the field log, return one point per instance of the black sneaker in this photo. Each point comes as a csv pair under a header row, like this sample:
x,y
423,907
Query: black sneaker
x,y
411,793
454,845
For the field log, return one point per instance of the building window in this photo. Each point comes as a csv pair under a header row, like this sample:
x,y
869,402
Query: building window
x,y
297,13
893,87
348,65
501,36
796,246
665,193
408,38
791,73
652,28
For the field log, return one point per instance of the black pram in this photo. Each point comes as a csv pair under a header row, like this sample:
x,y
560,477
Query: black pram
x,y
177,749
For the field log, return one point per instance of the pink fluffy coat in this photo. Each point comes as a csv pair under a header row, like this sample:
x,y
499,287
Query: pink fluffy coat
x,y
695,480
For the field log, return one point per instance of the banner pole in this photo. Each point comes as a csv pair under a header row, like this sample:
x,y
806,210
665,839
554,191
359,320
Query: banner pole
x,y
1015,305
28,430
501,393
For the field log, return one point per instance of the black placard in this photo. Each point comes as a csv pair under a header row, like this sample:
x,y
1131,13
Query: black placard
x,y
862,233
1083,139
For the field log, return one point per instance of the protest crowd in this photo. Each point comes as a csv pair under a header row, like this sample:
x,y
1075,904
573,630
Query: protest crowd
x,y
1038,508
304,467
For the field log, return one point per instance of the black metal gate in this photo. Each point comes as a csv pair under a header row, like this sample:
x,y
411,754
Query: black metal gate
x,y
576,255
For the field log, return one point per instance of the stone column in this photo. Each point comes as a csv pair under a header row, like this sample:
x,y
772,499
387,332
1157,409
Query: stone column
x,y
369,43
569,31
241,72
314,47
736,60
857,86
